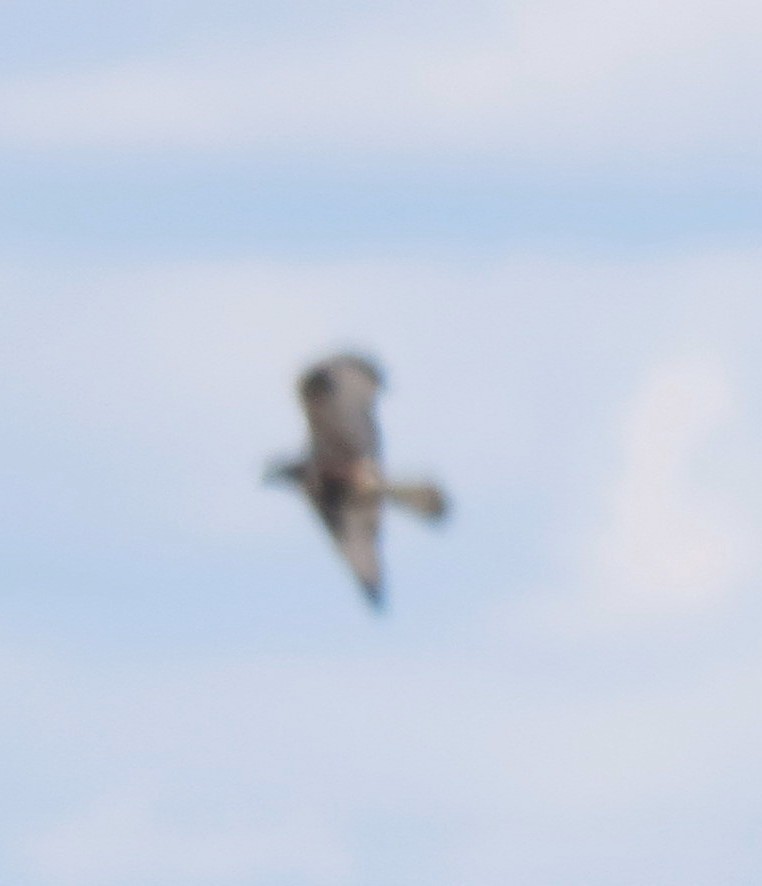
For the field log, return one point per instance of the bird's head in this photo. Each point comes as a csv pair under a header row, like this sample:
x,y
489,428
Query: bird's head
x,y
281,471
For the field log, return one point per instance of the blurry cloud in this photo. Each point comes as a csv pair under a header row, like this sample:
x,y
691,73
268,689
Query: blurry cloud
x,y
670,543
566,83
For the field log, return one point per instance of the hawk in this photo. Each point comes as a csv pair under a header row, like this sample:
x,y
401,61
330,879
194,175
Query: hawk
x,y
342,475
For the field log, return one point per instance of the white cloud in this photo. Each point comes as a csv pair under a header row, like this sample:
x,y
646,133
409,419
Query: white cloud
x,y
567,81
670,543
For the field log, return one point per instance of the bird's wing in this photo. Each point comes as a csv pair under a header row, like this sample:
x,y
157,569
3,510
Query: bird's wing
x,y
339,398
354,525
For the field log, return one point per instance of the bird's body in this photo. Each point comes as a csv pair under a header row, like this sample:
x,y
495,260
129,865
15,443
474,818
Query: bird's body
x,y
342,474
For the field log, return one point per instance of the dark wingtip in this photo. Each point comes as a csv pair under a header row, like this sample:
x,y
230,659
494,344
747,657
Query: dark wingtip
x,y
446,510
441,506
280,471
374,595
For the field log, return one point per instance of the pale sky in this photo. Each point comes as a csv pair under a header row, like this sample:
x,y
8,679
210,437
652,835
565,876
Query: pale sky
x,y
544,220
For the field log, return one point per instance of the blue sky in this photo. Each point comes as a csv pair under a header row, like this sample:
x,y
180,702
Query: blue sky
x,y
543,218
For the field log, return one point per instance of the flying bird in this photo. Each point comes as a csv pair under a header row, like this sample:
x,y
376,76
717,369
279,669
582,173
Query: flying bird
x,y
342,474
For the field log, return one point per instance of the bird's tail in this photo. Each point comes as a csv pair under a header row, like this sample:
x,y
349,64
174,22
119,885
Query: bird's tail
x,y
426,499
